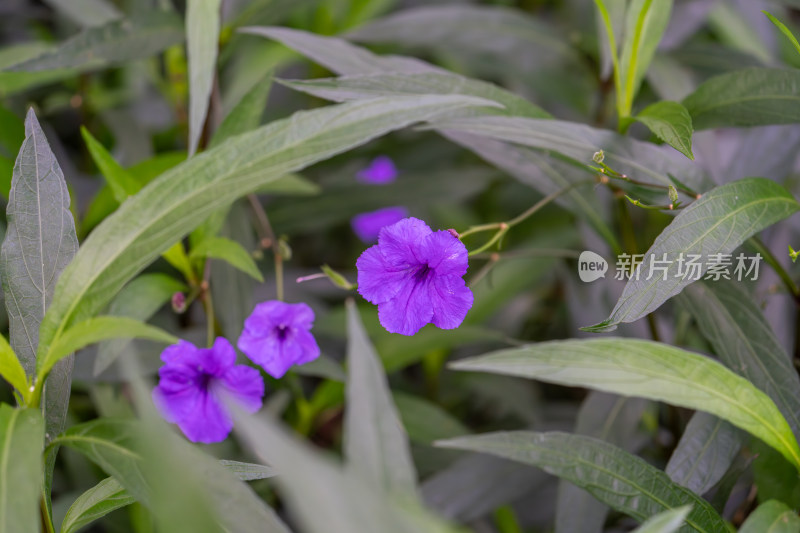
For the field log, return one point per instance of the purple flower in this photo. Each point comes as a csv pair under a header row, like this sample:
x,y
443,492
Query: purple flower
x,y
278,335
368,225
195,383
379,172
415,276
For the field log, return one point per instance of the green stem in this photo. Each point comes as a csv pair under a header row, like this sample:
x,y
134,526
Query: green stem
x,y
268,240
497,236
612,45
772,261
47,522
631,74
208,305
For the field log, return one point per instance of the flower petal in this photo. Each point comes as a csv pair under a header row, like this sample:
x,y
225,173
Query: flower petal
x,y
243,385
444,253
380,171
273,313
368,225
409,310
377,281
451,300
210,421
399,242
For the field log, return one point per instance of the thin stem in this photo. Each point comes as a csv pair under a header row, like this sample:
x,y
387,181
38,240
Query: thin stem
x,y
546,200
268,240
47,522
533,252
772,261
612,45
496,237
208,305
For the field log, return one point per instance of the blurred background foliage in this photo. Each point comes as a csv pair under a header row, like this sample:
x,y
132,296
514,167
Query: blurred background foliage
x,y
134,100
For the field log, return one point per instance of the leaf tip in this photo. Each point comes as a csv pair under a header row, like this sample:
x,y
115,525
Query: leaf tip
x,y
605,326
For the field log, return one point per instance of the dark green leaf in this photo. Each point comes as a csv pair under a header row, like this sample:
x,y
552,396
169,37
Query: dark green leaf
x,y
772,516
671,123
95,503
202,36
746,97
717,223
607,472
425,421
229,251
21,439
246,115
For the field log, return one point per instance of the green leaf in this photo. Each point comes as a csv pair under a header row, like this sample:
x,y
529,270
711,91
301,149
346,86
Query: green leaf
x,y
666,521
367,75
746,97
115,42
11,369
772,516
121,182
706,450
325,497
183,197
610,474
21,439
731,320
229,251
425,421
375,442
86,13
349,88
671,123
613,419
139,299
645,23
633,367
246,115
100,329
717,223
202,36
95,503
637,159
786,31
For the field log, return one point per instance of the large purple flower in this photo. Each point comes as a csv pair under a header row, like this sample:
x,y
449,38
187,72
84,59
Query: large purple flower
x,y
278,335
195,383
415,276
368,225
379,172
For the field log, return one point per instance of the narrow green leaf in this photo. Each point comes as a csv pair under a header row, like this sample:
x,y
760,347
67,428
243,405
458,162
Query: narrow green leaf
x,y
86,13
607,472
375,442
115,42
246,115
671,123
666,521
633,367
347,88
706,450
717,223
21,440
773,517
100,329
229,251
786,31
11,369
645,23
325,497
202,36
731,320
121,182
746,97
95,503
367,75
139,299
185,195
613,419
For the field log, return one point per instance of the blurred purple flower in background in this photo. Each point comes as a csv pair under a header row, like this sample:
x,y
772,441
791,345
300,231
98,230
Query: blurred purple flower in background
x,y
195,383
415,276
278,335
368,225
379,172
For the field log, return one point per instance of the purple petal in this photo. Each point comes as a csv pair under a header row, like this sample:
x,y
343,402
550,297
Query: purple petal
x,y
210,421
398,243
380,172
451,300
409,310
444,253
377,282
243,385
273,313
368,225
187,358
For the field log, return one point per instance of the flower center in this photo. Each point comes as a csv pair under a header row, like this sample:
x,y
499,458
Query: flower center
x,y
204,380
282,331
423,272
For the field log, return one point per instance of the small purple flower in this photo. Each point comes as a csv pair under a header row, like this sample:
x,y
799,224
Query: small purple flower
x,y
195,383
379,172
278,335
368,225
415,276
